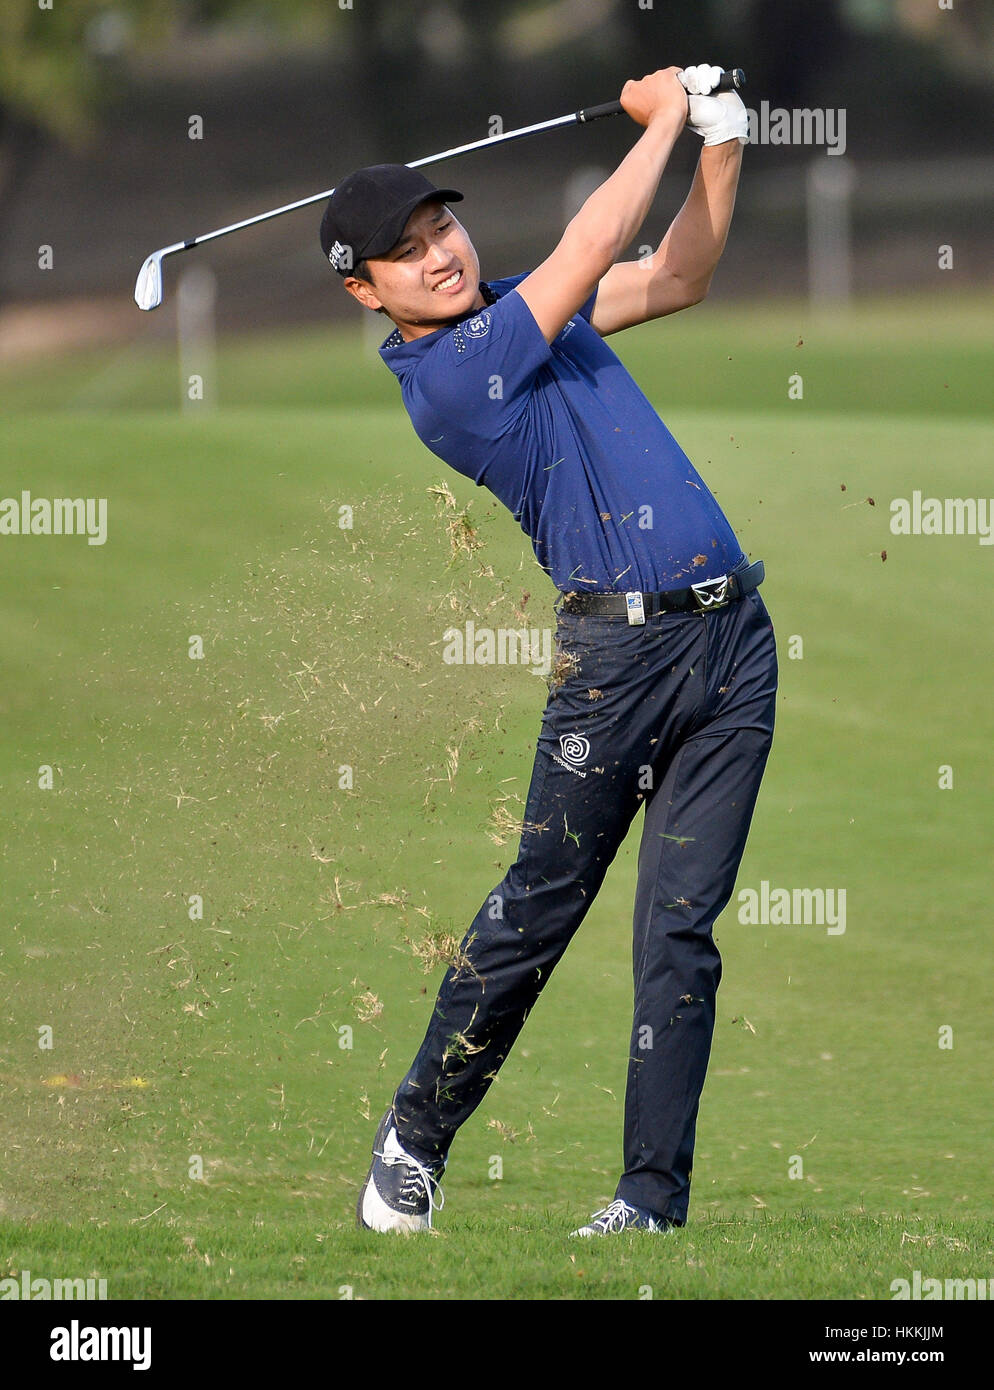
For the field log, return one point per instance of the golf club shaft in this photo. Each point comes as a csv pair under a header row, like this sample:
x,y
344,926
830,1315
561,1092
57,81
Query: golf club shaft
x,y
592,113
730,81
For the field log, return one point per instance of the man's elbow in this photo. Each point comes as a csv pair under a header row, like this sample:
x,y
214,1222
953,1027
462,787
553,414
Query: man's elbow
x,y
695,291
683,289
597,249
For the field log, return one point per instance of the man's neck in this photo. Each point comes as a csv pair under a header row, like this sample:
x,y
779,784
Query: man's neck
x,y
410,332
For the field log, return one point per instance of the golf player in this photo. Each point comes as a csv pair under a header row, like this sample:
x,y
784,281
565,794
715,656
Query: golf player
x,y
665,680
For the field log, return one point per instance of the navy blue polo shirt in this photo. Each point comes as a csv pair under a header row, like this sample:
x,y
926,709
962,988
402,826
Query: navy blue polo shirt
x,y
563,436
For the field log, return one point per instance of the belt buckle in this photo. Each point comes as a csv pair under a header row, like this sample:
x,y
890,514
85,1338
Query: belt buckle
x,y
712,593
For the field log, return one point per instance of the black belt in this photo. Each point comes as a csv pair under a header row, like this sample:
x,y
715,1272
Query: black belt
x,y
698,598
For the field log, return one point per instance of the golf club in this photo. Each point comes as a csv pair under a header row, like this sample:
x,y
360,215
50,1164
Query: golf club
x,y
148,287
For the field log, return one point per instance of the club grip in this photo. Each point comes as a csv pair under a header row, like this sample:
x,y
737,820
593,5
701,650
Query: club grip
x,y
594,113
731,80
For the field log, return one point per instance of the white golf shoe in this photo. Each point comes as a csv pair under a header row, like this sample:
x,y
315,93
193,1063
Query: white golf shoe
x,y
621,1216
400,1192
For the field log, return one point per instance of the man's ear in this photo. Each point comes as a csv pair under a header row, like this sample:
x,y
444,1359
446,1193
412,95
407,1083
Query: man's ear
x,y
363,292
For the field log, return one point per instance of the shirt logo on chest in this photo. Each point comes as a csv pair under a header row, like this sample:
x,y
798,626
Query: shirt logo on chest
x,y
478,327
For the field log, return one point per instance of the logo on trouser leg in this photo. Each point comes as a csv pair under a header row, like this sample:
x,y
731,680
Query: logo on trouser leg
x,y
575,750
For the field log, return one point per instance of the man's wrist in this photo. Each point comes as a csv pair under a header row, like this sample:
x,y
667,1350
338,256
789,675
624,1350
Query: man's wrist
x,y
661,135
727,149
668,121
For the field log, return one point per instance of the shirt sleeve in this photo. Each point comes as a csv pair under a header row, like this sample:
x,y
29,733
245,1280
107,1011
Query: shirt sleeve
x,y
480,376
586,310
512,282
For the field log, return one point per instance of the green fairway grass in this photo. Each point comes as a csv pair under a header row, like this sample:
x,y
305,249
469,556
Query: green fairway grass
x,y
929,355
520,1255
200,1125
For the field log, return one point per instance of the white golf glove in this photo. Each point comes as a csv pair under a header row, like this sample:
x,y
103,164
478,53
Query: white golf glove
x,y
716,118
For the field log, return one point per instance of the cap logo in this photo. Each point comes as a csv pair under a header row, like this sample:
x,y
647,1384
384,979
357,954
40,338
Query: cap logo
x,y
340,256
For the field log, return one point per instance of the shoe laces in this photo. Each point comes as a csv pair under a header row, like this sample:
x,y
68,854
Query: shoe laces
x,y
418,1178
614,1217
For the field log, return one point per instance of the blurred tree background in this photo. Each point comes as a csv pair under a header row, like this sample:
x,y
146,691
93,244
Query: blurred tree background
x,y
96,98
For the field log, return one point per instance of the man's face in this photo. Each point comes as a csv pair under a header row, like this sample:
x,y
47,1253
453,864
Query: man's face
x,y
429,278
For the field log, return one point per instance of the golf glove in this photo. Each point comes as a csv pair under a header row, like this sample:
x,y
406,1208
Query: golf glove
x,y
716,118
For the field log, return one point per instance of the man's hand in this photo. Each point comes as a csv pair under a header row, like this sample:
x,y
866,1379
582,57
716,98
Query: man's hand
x,y
658,95
716,118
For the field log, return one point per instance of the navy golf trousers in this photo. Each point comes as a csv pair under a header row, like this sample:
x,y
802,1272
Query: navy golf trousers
x,y
676,716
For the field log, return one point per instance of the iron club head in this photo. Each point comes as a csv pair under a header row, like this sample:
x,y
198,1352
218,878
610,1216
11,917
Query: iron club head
x,y
148,286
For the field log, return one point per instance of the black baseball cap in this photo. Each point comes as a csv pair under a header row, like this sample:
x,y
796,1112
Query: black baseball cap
x,y
367,213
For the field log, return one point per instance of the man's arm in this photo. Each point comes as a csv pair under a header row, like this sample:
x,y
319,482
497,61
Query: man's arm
x,y
613,214
679,272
